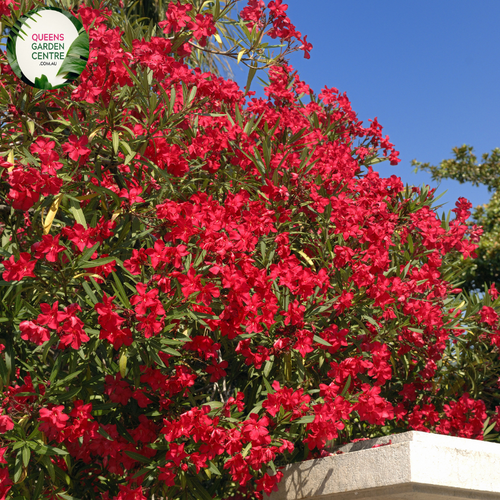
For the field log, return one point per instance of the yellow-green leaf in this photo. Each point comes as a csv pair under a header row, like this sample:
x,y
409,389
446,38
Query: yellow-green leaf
x,y
86,197
47,223
10,159
89,275
306,257
123,364
116,141
240,55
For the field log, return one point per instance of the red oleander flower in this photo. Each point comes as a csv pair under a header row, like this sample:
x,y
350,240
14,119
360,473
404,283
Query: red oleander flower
x,y
76,148
49,247
6,424
33,332
5,481
16,270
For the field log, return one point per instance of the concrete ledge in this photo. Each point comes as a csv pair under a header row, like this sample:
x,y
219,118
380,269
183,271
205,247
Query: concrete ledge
x,y
409,466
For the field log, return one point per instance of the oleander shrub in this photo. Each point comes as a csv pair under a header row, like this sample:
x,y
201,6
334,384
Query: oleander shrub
x,y
200,286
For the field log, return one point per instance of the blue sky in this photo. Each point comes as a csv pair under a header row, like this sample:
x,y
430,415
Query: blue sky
x,y
428,70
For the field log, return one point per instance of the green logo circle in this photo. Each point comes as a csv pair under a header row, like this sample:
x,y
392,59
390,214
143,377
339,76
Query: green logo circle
x,y
48,48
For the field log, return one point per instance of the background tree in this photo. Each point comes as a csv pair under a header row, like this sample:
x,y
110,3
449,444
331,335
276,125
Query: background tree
x,y
464,167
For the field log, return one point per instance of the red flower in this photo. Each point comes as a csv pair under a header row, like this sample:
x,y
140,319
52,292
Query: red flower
x,y
190,283
48,247
44,147
464,418
372,407
76,148
306,47
80,236
176,453
50,316
268,483
17,270
239,469
167,475
6,424
217,370
176,18
129,493
71,332
33,332
146,300
255,430
53,421
5,483
203,27
132,195
117,389
489,316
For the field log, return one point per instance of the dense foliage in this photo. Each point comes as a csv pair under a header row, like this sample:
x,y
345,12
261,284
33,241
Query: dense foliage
x,y
465,167
199,286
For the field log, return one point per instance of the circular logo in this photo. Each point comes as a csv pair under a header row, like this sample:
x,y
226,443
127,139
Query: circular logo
x,y
48,48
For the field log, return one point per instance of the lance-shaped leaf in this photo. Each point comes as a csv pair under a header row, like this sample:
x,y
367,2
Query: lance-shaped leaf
x,y
77,56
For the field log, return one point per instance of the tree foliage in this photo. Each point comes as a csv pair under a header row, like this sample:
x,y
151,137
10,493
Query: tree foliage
x,y
199,286
464,167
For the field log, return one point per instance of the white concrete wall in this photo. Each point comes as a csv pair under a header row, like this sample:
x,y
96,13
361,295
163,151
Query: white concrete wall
x,y
415,465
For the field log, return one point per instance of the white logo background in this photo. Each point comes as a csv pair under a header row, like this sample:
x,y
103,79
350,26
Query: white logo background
x,y
42,23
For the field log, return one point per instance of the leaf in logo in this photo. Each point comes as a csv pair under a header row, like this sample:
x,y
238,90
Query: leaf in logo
x,y
43,83
76,58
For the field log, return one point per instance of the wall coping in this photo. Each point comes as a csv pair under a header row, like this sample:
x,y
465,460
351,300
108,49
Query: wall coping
x,y
408,466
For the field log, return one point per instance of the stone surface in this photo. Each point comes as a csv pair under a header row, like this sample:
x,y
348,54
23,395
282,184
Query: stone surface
x,y
409,466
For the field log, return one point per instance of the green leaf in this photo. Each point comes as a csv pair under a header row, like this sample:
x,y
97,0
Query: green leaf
x,y
39,486
374,161
43,83
138,457
346,387
116,141
103,433
488,429
68,394
371,320
268,385
88,252
97,262
319,340
121,291
18,445
11,56
76,57
67,379
50,468
241,53
172,100
305,420
67,497
214,405
251,74
77,212
90,293
198,489
80,46
213,469
18,467
26,456
171,351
